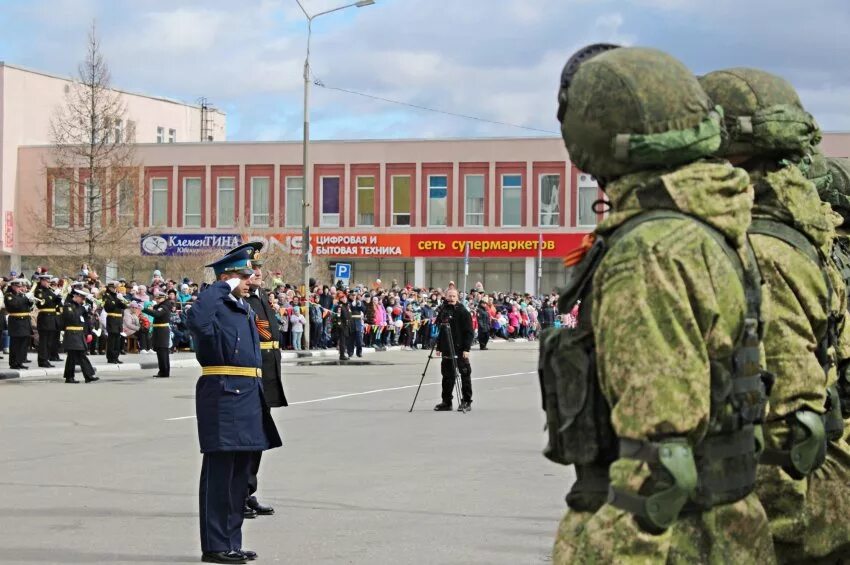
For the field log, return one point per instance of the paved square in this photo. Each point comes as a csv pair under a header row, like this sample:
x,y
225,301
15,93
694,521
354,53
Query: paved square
x,y
107,472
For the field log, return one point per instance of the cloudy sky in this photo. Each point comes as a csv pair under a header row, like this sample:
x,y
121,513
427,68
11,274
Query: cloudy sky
x,y
494,59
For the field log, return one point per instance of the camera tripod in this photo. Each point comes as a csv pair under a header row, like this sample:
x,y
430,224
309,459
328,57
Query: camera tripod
x,y
444,326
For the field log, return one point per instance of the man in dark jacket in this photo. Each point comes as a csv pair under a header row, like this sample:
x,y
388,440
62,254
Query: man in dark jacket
x,y
269,331
455,324
342,325
18,306
74,322
161,339
47,322
56,302
483,325
114,307
231,416
355,337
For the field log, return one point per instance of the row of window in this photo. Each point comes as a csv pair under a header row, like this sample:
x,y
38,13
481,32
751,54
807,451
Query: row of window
x,y
330,201
160,135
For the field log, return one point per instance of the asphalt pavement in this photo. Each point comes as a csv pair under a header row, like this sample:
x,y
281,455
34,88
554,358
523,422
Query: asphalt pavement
x,y
107,472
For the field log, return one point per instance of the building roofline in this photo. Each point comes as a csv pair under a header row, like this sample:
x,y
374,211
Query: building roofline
x,y
122,91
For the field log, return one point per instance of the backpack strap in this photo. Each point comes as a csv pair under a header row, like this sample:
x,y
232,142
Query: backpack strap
x,y
788,234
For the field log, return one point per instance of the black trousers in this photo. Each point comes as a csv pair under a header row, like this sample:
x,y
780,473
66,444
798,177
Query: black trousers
x,y
45,342
447,370
18,347
342,344
483,338
355,343
163,359
74,358
53,347
224,481
252,472
113,346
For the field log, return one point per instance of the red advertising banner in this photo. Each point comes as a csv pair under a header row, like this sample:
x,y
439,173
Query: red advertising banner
x,y
334,245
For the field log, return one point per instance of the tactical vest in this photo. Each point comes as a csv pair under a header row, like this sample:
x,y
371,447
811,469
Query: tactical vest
x,y
833,421
578,415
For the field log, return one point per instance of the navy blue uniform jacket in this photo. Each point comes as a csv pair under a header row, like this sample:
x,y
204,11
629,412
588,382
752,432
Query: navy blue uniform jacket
x,y
231,410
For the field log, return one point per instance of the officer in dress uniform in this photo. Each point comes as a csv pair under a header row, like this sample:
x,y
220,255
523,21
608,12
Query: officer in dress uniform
x,y
74,322
342,323
355,336
55,298
232,420
269,331
18,306
114,307
47,322
161,314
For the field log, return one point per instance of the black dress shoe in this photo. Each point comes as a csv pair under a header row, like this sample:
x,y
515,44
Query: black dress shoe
x,y
158,376
249,555
343,358
260,509
443,407
249,513
465,406
46,365
72,381
92,379
224,557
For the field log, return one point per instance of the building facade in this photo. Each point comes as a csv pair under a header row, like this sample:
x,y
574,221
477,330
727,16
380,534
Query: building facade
x,y
28,101
409,210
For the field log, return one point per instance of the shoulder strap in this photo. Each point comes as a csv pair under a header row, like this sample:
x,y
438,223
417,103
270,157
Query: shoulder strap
x,y
788,234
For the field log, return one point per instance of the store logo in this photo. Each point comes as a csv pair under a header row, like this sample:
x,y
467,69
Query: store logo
x,y
154,245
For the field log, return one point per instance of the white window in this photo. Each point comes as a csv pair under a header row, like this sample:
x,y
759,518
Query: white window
x,y
118,130
126,203
474,205
160,134
159,202
511,200
260,202
172,135
192,202
365,201
61,203
330,202
401,200
91,203
550,207
226,202
294,201
438,197
588,193
130,133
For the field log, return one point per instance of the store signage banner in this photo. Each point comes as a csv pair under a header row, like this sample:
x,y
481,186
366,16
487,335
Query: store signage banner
x,y
173,244
507,245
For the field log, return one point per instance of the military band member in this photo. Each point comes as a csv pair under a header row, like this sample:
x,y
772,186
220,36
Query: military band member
x,y
47,322
114,306
161,314
74,322
56,301
231,416
269,331
18,306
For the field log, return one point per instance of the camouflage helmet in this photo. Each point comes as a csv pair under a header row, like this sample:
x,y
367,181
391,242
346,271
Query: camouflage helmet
x,y
837,191
763,114
630,109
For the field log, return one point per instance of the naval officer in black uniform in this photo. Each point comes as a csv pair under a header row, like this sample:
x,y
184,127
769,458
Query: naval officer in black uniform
x,y
233,422
161,314
74,322
47,322
114,306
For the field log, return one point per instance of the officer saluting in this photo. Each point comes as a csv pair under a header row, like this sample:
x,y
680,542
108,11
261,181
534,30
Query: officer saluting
x,y
74,320
18,305
269,332
161,314
47,322
232,421
114,307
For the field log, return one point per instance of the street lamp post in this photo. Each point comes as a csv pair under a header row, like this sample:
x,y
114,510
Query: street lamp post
x,y
308,192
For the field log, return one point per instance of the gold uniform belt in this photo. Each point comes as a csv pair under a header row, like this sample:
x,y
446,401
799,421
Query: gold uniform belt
x,y
160,325
20,314
115,314
231,371
72,328
269,345
47,310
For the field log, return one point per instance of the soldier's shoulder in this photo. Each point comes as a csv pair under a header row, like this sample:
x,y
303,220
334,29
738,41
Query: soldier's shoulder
x,y
662,239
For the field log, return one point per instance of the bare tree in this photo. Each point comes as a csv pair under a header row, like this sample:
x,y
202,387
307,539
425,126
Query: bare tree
x,y
92,168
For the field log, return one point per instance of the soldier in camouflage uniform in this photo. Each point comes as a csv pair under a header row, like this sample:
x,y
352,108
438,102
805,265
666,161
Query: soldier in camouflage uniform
x,y
804,482
668,312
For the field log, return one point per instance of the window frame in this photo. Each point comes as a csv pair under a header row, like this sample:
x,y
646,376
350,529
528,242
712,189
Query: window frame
x,y
200,213
428,209
556,215
152,209
357,190
120,204
466,212
579,188
160,134
299,205
502,196
392,202
172,135
322,223
231,221
67,206
254,223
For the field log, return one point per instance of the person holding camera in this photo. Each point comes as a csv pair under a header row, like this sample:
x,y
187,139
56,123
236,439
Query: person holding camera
x,y
455,325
